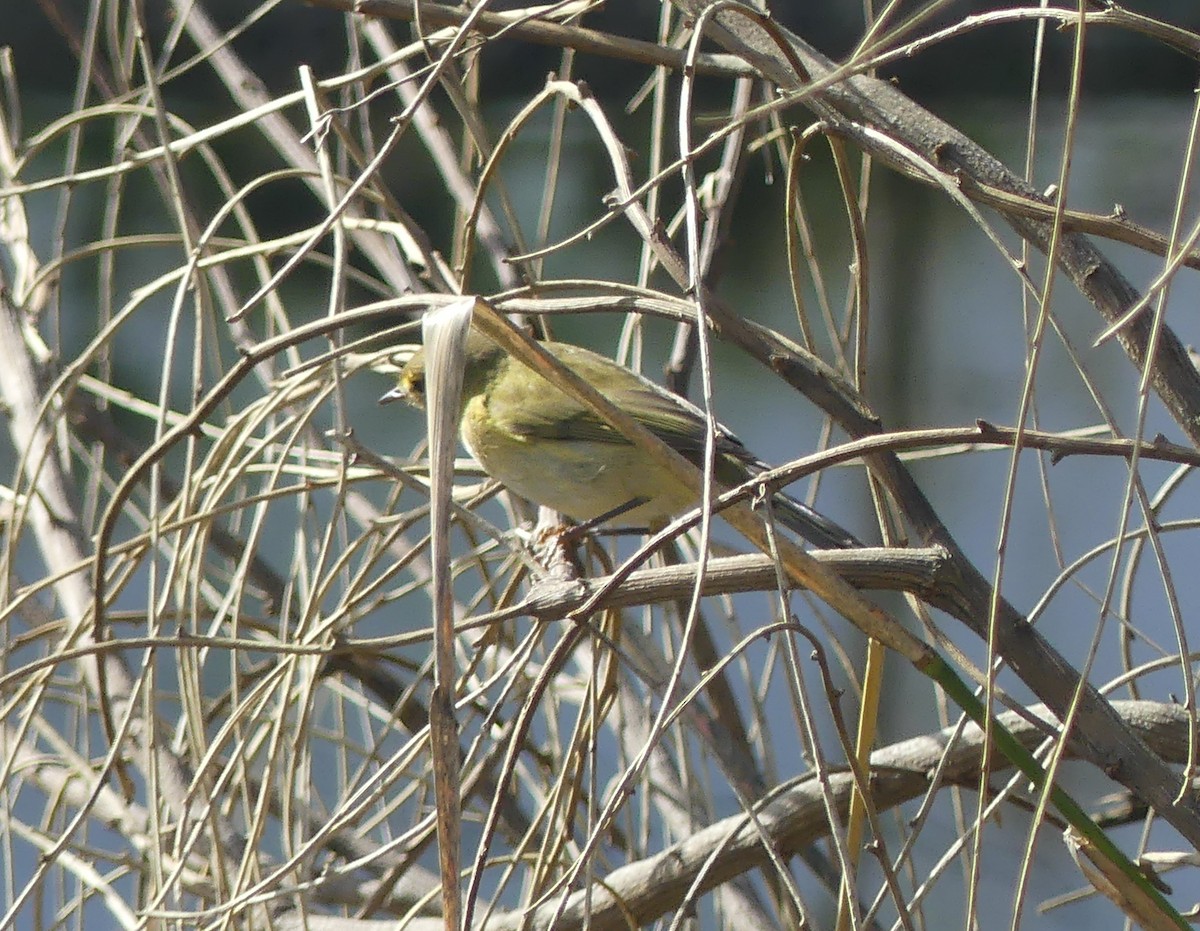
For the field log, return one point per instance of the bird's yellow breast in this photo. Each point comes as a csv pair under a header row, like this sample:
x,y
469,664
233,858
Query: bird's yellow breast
x,y
580,478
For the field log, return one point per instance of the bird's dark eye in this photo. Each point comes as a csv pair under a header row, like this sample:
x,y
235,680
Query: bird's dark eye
x,y
416,384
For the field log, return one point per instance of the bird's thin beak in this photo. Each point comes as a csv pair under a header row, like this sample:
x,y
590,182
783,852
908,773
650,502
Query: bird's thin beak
x,y
396,394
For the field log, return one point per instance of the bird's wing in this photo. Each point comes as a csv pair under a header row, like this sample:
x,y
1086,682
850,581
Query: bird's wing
x,y
559,416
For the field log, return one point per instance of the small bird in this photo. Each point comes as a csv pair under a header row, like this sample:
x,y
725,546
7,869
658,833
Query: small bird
x,y
545,446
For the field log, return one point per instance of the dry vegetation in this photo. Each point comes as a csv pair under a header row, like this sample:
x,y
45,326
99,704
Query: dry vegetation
x,y
220,700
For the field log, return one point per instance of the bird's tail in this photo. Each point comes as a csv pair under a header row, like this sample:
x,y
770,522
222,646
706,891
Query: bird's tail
x,y
817,529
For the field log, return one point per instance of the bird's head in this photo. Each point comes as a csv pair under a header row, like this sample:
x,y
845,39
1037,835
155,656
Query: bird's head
x,y
480,358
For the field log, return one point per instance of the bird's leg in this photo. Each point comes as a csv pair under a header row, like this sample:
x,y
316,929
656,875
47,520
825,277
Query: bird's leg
x,y
576,532
601,519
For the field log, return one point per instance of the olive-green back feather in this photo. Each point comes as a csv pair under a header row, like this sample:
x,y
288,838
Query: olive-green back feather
x,y
559,416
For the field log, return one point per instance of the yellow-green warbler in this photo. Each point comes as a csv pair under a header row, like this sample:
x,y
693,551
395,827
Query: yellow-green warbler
x,y
545,446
